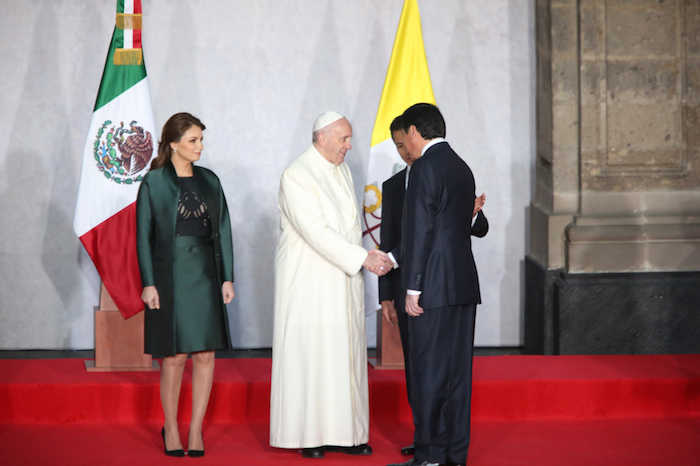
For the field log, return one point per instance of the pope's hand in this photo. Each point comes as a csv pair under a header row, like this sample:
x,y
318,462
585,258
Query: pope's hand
x,y
378,262
150,297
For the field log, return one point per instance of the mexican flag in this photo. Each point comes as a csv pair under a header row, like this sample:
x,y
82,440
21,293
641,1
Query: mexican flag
x,y
120,144
407,82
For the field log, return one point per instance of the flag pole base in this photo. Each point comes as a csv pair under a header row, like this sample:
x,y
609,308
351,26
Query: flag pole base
x,y
91,367
118,341
389,349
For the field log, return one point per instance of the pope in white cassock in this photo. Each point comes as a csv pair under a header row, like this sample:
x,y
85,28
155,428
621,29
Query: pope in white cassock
x,y
319,400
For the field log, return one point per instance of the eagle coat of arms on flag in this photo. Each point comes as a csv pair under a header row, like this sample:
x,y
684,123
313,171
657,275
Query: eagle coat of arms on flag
x,y
123,153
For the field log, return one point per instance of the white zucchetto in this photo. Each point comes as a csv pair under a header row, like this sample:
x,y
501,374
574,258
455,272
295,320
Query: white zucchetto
x,y
325,119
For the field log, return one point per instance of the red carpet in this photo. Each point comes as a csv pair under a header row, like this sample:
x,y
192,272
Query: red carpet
x,y
527,410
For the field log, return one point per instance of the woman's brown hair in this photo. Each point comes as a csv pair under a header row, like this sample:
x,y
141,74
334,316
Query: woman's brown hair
x,y
176,126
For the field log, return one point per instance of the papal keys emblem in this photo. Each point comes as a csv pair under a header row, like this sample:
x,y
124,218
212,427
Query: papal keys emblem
x,y
122,153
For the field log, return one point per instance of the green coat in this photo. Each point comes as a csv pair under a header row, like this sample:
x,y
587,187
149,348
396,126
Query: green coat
x,y
156,216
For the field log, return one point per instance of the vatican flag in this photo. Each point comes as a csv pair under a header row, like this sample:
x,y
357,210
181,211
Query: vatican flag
x,y
407,82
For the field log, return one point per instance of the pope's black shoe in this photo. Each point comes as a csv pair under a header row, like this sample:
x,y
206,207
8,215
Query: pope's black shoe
x,y
312,452
413,462
409,450
363,449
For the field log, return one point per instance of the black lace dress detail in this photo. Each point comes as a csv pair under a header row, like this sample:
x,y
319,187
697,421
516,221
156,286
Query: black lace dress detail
x,y
192,214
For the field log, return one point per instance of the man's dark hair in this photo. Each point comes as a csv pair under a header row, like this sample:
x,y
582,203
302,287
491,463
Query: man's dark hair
x,y
426,118
396,125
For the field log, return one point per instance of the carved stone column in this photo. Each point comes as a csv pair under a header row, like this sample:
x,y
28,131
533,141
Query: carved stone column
x,y
615,223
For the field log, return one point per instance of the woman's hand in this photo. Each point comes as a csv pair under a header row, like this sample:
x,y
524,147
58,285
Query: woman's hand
x,y
150,297
227,292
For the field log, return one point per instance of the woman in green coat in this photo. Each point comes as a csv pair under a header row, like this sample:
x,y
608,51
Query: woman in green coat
x,y
185,255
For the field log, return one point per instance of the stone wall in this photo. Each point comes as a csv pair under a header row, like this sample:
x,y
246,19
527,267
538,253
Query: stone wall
x,y
557,177
618,154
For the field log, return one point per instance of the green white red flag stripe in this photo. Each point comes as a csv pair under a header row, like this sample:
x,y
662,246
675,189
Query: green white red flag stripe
x,y
131,37
120,144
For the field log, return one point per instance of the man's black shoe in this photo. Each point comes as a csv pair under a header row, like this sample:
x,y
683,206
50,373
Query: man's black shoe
x,y
409,450
413,462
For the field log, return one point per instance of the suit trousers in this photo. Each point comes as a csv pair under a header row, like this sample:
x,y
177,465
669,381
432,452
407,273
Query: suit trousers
x,y
441,349
402,319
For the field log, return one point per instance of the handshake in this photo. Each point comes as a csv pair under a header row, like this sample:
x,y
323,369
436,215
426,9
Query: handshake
x,y
378,262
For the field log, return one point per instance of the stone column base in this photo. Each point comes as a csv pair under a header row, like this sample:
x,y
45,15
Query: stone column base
x,y
611,313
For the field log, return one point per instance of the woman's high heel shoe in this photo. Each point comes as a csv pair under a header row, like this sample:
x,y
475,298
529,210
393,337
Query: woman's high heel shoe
x,y
177,453
196,453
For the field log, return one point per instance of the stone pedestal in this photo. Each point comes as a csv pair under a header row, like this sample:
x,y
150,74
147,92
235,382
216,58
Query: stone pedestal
x,y
614,313
118,341
389,349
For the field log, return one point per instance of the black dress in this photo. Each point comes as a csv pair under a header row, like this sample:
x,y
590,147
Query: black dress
x,y
198,310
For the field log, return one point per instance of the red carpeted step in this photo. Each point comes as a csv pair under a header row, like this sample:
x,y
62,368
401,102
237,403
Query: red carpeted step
x,y
610,442
505,388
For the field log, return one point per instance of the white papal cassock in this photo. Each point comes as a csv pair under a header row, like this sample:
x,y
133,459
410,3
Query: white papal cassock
x,y
319,347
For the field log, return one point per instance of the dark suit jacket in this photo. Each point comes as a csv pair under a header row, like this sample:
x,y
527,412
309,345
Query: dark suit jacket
x,y
437,254
393,193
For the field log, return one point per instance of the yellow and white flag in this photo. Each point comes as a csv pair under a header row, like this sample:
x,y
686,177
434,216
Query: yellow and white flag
x,y
407,82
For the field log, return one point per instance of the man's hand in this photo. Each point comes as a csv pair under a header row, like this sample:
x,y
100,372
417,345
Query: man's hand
x,y
389,313
227,292
150,297
478,204
412,307
378,262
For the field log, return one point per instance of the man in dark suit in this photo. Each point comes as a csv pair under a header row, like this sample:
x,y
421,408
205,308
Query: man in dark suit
x,y
391,291
442,286
392,294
